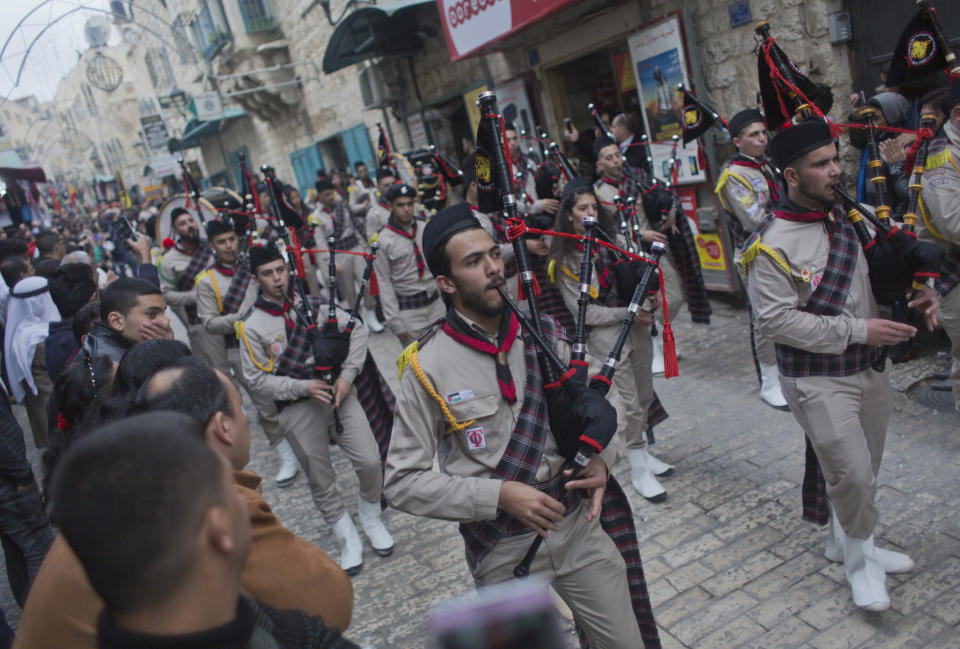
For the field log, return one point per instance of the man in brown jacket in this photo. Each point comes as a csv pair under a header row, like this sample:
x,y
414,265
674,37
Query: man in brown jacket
x,y
282,570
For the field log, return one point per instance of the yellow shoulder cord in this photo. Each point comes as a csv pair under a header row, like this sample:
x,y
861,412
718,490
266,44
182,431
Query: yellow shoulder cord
x,y
594,293
240,327
411,356
724,177
749,254
216,289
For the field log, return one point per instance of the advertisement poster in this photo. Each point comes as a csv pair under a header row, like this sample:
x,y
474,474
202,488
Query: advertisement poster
x,y
660,66
515,106
470,99
418,134
710,250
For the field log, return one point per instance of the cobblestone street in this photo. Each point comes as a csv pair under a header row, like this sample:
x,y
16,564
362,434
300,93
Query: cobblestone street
x,y
727,558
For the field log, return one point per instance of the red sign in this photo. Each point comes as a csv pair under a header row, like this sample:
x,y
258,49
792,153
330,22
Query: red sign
x,y
471,24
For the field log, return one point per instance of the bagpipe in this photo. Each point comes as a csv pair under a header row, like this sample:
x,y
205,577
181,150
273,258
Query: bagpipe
x,y
330,345
581,420
426,169
899,263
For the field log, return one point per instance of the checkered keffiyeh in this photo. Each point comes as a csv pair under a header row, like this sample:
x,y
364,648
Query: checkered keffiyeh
x,y
520,462
199,262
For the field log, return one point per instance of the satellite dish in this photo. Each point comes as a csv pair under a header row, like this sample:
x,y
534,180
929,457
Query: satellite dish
x,y
97,31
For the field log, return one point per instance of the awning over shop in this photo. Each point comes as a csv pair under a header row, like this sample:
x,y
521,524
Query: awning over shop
x,y
11,166
102,178
388,29
198,130
469,26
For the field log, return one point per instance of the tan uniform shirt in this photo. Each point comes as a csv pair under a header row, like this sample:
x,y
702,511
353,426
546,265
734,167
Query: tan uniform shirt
x,y
745,194
941,197
777,297
356,194
396,268
172,264
324,218
466,379
377,217
604,321
266,338
606,193
212,287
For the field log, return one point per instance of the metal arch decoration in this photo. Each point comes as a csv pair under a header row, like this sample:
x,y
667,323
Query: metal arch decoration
x,y
104,73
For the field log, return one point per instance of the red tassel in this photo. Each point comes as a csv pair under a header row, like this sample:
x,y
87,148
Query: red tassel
x,y
536,286
670,366
521,294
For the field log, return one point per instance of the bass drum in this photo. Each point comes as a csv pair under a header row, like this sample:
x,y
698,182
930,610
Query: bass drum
x,y
228,204
164,224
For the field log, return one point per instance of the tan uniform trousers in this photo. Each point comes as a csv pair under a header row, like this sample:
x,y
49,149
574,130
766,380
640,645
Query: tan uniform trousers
x,y
227,360
36,404
846,421
310,427
203,343
675,298
632,391
585,569
949,316
416,320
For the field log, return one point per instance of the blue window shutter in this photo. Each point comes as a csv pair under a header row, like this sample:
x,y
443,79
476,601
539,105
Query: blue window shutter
x,y
305,163
356,143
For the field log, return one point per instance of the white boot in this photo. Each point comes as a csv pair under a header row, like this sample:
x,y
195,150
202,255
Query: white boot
x,y
658,467
656,367
891,562
770,387
642,477
289,467
351,547
370,319
373,527
864,574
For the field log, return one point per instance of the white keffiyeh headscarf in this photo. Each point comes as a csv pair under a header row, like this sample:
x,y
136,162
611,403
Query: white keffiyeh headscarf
x,y
30,311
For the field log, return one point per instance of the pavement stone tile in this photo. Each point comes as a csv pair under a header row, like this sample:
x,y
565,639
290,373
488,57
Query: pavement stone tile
x,y
910,631
668,613
667,641
737,576
926,586
787,635
743,546
689,575
849,632
691,550
740,632
946,607
763,514
781,598
719,612
829,609
660,590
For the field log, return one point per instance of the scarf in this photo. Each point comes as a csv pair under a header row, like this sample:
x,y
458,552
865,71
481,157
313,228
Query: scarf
x,y
240,275
199,261
456,328
395,227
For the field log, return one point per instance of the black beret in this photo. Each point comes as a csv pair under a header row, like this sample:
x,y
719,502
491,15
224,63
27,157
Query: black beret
x,y
260,255
954,95
601,143
71,287
385,172
398,190
443,225
323,184
579,185
744,119
798,140
217,227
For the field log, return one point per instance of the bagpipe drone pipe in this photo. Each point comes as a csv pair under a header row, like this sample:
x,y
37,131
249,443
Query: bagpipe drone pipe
x,y
581,419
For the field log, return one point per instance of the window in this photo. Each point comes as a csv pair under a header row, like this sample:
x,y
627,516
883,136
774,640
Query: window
x,y
148,106
256,15
210,28
184,49
161,76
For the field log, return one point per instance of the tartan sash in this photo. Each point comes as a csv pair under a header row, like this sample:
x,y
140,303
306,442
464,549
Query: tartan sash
x,y
523,454
949,272
417,300
339,217
199,262
373,393
828,300
238,284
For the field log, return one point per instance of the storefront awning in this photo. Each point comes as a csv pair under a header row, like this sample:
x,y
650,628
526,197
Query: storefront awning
x,y
388,29
198,130
470,26
102,178
11,166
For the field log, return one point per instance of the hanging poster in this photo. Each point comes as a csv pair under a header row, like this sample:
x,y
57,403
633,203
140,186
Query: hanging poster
x,y
418,132
660,66
515,105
